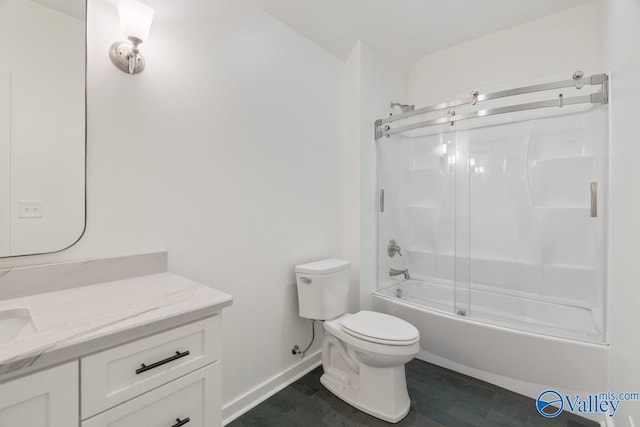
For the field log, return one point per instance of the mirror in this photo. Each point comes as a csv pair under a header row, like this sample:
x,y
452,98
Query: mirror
x,y
42,125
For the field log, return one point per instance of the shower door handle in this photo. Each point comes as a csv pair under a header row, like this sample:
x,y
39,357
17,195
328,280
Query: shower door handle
x,y
594,199
382,200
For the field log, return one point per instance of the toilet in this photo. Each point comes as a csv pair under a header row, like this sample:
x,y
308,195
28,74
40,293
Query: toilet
x,y
363,354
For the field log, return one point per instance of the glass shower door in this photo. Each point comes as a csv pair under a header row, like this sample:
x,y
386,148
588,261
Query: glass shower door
x,y
417,175
536,222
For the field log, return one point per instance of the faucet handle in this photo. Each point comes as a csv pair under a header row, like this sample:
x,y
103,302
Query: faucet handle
x,y
393,248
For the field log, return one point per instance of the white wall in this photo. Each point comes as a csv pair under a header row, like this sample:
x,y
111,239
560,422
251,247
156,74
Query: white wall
x,y
565,41
225,151
372,82
622,31
351,171
251,154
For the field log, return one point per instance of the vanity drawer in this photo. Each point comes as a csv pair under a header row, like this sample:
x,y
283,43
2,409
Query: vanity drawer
x,y
121,373
186,402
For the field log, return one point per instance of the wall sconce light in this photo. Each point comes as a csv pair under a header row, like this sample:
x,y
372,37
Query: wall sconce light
x,y
135,19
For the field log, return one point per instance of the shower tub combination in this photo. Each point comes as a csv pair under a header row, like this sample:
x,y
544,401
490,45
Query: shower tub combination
x,y
501,225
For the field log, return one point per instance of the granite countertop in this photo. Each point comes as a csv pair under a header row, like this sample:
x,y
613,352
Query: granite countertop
x,y
74,322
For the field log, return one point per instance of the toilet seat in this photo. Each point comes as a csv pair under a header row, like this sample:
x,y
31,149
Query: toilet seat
x,y
364,343
379,328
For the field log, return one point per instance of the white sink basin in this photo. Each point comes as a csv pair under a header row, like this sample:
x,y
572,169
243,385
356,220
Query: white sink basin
x,y
15,323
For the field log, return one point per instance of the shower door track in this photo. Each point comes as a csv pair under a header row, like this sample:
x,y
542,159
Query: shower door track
x,y
383,125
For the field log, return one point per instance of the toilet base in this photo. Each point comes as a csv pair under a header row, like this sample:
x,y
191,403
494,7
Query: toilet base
x,y
372,400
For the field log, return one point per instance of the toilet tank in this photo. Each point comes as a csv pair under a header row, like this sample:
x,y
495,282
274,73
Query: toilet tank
x,y
323,288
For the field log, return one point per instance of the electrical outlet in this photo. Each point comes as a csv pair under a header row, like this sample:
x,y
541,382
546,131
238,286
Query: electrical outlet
x,y
30,208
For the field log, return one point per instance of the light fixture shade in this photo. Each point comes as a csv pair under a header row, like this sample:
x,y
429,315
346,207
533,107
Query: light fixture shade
x,y
135,18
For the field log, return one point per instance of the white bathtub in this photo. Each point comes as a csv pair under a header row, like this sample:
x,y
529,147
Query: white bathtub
x,y
529,312
521,361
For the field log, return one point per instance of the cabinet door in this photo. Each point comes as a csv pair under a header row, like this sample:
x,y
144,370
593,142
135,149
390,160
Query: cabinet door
x,y
45,399
194,400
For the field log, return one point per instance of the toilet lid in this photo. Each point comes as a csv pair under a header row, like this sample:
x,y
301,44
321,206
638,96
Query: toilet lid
x,y
379,327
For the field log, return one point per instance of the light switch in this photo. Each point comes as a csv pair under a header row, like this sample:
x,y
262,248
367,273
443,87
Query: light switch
x,y
30,208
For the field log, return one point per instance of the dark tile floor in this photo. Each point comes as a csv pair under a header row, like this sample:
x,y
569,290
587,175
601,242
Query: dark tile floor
x,y
439,397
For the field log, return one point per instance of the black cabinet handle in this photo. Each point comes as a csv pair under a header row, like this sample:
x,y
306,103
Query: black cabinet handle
x,y
145,368
181,423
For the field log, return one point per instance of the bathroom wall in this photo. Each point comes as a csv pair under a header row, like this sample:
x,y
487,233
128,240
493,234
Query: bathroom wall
x,y
371,83
622,31
351,170
565,41
226,152
253,178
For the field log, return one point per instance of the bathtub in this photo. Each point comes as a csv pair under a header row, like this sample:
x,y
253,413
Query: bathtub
x,y
479,346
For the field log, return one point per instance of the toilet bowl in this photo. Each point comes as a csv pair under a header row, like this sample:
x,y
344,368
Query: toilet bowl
x,y
363,354
363,358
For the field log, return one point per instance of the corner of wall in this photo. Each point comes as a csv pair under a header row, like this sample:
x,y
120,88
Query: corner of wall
x,y
268,388
372,82
351,172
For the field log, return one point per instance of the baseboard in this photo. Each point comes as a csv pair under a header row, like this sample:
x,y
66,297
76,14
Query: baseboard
x,y
262,392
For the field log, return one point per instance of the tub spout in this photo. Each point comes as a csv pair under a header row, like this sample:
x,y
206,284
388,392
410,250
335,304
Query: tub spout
x,y
394,272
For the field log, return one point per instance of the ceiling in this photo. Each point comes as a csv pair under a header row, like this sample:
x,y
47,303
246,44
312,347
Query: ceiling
x,y
405,30
74,8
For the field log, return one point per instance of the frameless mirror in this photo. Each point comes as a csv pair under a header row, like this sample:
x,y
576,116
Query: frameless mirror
x,y
42,125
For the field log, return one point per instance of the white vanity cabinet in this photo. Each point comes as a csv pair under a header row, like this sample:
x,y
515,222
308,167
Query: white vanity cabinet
x,y
45,399
169,379
188,401
161,380
114,342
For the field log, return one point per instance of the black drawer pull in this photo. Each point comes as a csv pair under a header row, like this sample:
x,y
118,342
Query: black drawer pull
x,y
145,368
181,423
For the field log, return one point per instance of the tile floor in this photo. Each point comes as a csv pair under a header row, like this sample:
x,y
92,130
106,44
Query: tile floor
x,y
439,397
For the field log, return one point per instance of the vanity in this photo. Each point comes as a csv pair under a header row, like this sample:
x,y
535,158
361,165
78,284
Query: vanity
x,y
144,350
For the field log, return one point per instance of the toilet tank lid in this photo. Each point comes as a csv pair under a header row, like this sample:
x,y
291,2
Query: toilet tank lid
x,y
326,266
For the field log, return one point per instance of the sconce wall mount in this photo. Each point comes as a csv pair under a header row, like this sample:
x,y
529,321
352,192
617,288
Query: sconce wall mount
x,y
126,56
